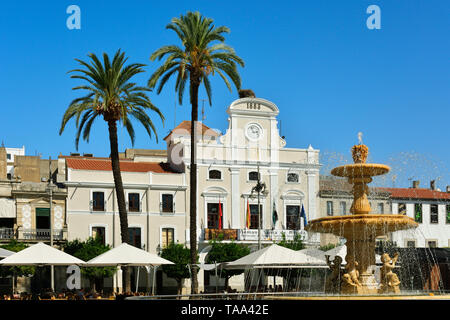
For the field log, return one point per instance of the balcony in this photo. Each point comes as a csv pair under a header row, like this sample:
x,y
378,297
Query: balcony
x,y
6,233
252,234
42,234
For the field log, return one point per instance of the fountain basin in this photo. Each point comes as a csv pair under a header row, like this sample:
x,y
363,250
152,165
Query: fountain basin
x,y
357,226
360,170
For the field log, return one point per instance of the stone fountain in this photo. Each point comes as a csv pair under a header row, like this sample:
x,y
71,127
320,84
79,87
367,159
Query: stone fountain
x,y
361,228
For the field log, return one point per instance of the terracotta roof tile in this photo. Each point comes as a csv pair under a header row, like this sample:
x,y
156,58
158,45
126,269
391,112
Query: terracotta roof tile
x,y
185,127
417,193
125,165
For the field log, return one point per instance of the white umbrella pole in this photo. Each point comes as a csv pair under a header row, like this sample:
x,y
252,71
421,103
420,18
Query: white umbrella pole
x,y
137,280
154,276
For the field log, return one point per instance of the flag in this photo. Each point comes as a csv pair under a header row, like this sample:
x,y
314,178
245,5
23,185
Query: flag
x,y
303,215
220,215
274,215
248,215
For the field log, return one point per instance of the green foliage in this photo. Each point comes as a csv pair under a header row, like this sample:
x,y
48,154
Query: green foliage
x,y
226,252
87,250
181,256
203,53
295,244
16,246
327,247
111,94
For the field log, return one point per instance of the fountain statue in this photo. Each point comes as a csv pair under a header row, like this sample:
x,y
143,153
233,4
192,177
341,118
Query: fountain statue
x,y
361,228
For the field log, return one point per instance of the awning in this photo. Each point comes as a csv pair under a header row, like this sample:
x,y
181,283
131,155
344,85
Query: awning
x,y
7,208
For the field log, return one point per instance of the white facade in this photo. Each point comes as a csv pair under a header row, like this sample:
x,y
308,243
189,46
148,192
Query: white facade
x,y
252,142
433,229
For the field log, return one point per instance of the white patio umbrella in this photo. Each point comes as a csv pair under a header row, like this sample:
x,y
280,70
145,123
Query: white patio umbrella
x,y
41,254
274,256
5,253
315,255
127,255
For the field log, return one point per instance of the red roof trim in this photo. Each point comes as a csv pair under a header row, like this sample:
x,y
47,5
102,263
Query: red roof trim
x,y
417,193
125,165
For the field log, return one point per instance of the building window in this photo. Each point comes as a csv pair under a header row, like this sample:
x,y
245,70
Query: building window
x,y
343,207
8,176
410,244
167,237
329,208
134,204
381,208
254,220
292,177
98,201
434,217
42,218
447,219
167,202
8,156
293,217
253,176
134,236
213,215
402,208
99,233
418,212
215,175
431,243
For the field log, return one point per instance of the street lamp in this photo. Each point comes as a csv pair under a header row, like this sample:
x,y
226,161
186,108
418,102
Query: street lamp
x,y
260,187
50,187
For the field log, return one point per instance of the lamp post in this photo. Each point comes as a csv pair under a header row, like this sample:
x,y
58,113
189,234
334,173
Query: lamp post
x,y
50,191
260,187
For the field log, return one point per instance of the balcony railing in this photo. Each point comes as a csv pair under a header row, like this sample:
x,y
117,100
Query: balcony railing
x,y
42,234
6,233
252,234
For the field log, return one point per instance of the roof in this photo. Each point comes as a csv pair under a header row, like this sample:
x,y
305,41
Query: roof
x,y
185,128
125,165
417,193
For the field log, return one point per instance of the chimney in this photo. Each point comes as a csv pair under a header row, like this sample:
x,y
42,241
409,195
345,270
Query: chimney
x,y
433,185
416,184
448,189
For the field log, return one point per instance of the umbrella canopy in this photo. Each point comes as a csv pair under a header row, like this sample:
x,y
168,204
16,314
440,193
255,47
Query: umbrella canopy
x,y
40,254
341,251
274,256
127,255
5,253
315,256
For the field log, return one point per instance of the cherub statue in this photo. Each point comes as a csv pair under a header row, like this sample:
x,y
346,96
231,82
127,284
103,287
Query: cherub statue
x,y
333,283
389,280
350,279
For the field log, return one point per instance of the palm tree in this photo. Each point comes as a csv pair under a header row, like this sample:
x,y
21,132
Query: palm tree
x,y
198,58
111,94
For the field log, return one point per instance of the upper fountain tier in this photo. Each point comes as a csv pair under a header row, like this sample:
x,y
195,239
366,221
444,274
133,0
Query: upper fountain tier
x,y
360,169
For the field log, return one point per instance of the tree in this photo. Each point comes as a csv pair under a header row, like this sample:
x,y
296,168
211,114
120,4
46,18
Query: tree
x,y
294,244
87,250
181,256
195,61
111,94
226,252
16,271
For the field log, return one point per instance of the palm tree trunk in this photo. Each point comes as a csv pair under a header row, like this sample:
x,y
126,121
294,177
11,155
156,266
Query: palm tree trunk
x,y
123,217
194,85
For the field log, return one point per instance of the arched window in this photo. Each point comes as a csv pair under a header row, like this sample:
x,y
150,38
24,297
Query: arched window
x,y
253,176
215,174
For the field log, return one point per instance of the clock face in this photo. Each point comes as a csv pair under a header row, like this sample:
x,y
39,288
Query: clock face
x,y
253,132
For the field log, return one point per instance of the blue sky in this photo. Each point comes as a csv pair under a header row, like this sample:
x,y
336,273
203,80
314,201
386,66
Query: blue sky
x,y
328,73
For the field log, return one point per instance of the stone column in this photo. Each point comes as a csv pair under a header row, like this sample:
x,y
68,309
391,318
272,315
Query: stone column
x,y
235,199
